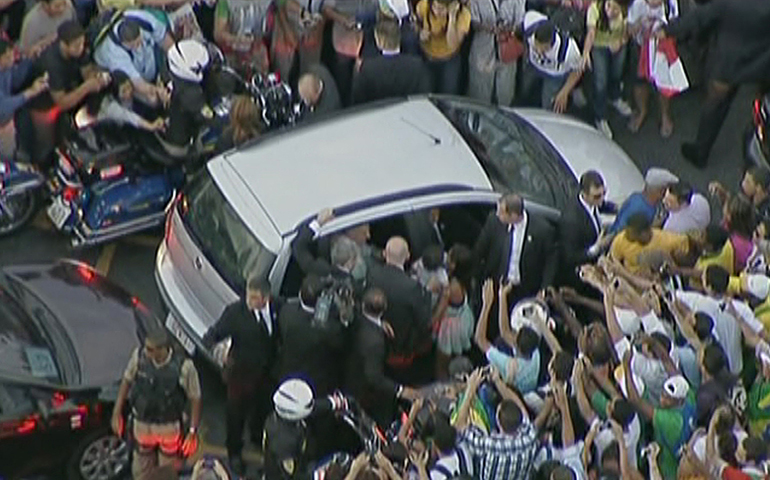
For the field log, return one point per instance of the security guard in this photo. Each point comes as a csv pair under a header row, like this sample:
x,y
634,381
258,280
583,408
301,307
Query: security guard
x,y
158,383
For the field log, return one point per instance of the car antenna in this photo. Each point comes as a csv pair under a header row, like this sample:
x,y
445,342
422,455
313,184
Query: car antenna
x,y
436,140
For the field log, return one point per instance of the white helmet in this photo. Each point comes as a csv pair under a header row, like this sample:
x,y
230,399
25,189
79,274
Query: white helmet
x,y
188,59
293,400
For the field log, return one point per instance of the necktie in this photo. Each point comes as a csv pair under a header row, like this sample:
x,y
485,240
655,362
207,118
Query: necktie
x,y
266,321
597,220
438,234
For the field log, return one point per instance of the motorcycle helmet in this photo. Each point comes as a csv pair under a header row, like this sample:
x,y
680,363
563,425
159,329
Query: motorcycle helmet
x,y
293,400
188,60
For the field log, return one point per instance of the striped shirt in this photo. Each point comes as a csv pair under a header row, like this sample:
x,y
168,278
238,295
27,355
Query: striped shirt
x,y
501,456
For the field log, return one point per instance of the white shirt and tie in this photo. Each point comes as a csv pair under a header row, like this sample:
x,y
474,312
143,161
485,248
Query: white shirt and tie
x,y
593,214
263,315
518,233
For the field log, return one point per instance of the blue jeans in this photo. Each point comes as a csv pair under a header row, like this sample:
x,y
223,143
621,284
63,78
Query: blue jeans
x,y
446,74
552,85
607,73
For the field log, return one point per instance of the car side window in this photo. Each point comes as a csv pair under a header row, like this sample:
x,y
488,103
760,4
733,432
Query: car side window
x,y
14,400
511,166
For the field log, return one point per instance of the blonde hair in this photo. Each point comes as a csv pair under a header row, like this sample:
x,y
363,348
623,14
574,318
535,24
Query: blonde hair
x,y
245,119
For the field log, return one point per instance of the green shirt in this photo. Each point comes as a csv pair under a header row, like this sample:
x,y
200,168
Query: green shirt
x,y
668,425
758,407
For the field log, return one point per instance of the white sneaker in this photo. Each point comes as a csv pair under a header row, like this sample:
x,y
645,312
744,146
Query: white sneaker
x,y
579,98
604,127
622,107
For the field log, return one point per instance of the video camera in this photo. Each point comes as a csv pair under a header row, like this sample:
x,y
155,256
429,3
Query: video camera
x,y
337,294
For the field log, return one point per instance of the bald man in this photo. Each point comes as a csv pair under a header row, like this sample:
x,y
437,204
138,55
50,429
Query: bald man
x,y
409,314
318,90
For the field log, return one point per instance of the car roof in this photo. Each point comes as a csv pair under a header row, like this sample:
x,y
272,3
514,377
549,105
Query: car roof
x,y
365,157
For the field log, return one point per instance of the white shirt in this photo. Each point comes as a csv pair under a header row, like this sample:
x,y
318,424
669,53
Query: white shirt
x,y
264,316
726,328
570,456
694,216
593,213
518,232
605,437
374,320
548,63
650,18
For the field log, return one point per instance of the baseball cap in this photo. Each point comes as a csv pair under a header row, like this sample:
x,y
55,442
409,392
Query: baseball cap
x,y
676,387
659,177
758,285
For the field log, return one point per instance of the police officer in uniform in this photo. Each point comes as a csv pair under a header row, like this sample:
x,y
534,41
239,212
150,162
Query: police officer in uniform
x,y
157,384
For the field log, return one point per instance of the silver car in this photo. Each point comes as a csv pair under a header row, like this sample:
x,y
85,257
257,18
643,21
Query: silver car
x,y
381,165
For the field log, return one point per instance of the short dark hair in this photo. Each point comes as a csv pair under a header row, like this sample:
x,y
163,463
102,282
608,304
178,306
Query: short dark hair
x,y
4,46
714,360
374,302
545,32
69,31
563,472
742,215
129,30
510,416
526,341
158,337
513,203
639,223
682,191
717,278
432,257
562,365
704,325
444,434
727,445
598,351
761,176
716,236
623,412
259,284
310,290
755,449
591,179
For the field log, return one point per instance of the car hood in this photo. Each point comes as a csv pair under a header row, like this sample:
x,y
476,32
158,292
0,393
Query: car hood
x,y
98,322
585,148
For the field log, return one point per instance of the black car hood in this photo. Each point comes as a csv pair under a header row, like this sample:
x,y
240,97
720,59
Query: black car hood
x,y
99,318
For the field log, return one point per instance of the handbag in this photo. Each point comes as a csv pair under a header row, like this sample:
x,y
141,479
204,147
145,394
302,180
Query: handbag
x,y
509,47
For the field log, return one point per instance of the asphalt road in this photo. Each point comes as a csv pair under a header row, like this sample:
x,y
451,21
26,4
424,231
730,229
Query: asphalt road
x,y
130,261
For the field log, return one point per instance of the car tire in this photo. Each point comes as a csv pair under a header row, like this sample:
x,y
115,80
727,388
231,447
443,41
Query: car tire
x,y
99,456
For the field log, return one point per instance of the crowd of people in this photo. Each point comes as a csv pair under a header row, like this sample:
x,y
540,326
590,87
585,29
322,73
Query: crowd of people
x,y
114,55
572,350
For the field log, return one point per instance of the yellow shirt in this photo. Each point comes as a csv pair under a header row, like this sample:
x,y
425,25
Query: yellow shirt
x,y
724,259
628,253
613,34
436,46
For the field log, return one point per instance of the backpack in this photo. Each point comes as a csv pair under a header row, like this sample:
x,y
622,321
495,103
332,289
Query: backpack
x,y
561,55
103,26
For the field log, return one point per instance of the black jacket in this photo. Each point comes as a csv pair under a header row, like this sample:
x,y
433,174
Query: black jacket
x,y
253,347
312,257
576,235
388,76
409,309
538,261
365,376
314,353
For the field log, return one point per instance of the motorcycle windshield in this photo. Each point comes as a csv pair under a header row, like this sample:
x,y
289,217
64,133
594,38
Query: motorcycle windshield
x,y
221,235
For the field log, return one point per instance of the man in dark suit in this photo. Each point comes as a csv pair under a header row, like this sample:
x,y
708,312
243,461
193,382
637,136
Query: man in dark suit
x,y
408,313
391,74
365,377
252,324
426,229
581,237
518,247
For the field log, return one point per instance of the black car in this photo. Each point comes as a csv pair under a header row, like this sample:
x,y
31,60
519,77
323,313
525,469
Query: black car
x,y
66,334
757,145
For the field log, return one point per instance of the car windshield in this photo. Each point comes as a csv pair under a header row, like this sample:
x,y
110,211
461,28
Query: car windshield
x,y
28,347
222,236
513,154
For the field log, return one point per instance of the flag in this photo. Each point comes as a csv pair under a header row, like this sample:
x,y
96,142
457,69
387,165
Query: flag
x,y
663,67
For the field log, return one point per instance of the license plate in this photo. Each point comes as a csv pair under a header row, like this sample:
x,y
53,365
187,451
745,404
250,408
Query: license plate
x,y
173,326
59,211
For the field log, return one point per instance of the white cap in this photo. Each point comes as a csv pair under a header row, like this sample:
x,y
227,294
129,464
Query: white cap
x,y
293,400
659,177
398,8
676,387
758,285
